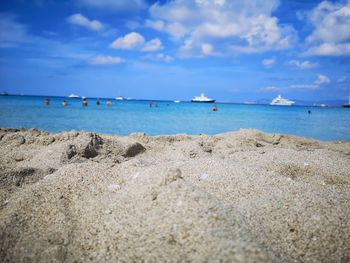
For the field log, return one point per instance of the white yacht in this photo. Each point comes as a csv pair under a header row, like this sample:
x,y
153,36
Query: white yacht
x,y
281,101
120,98
177,101
202,98
73,96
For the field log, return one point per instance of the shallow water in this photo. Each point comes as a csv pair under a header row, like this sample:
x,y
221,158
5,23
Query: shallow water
x,y
125,117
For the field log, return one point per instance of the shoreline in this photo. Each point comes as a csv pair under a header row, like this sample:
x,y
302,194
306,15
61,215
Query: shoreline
x,y
238,196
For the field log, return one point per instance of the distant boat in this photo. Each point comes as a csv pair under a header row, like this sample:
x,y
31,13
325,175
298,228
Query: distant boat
x,y
128,98
281,101
202,99
177,101
320,105
4,93
348,104
73,96
120,98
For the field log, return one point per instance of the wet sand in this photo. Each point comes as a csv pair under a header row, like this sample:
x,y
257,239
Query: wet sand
x,y
244,196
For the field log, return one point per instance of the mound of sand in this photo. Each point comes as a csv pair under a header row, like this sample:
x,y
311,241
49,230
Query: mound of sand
x,y
245,196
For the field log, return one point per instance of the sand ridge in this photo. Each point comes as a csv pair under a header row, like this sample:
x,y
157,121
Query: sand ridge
x,y
242,196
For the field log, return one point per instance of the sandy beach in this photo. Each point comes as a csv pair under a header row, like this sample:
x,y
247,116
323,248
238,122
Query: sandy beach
x,y
243,196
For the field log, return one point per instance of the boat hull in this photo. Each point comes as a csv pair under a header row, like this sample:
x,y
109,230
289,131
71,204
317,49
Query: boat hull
x,y
207,101
278,104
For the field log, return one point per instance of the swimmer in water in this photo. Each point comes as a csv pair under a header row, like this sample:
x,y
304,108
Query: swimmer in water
x,y
47,101
85,103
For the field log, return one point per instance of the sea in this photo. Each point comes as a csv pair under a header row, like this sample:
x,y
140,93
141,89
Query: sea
x,y
166,117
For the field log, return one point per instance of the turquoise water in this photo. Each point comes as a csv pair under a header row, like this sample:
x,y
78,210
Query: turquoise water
x,y
125,117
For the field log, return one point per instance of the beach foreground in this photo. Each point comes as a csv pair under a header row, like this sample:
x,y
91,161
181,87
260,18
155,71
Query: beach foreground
x,y
244,196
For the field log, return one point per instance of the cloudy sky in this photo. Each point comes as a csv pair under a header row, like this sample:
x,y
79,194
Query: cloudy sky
x,y
232,50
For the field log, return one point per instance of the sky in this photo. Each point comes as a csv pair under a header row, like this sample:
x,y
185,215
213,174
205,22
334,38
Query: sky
x,y
232,50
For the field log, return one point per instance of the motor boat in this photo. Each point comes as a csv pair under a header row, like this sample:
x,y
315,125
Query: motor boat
x,y
120,98
348,104
281,101
73,96
177,101
202,98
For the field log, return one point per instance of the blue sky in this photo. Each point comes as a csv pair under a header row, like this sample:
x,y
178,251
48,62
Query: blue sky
x,y
233,50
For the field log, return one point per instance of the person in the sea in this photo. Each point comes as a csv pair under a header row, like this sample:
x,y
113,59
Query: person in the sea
x,y
64,103
47,101
108,103
150,104
85,103
98,102
215,108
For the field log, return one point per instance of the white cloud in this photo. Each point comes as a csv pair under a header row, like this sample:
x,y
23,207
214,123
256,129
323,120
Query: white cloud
x,y
304,86
322,79
135,41
153,45
331,34
106,60
331,22
303,64
80,20
115,5
207,49
230,26
342,79
132,40
270,89
159,57
11,32
176,30
268,62
155,24
329,49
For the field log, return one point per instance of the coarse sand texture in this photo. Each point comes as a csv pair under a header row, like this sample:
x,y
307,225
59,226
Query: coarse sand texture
x,y
243,196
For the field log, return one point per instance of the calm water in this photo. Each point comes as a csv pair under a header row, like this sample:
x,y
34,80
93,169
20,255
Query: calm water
x,y
125,117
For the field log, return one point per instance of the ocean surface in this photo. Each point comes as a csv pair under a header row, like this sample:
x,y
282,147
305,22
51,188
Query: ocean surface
x,y
128,116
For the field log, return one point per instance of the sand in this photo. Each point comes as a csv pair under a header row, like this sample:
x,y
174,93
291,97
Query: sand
x,y
244,196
